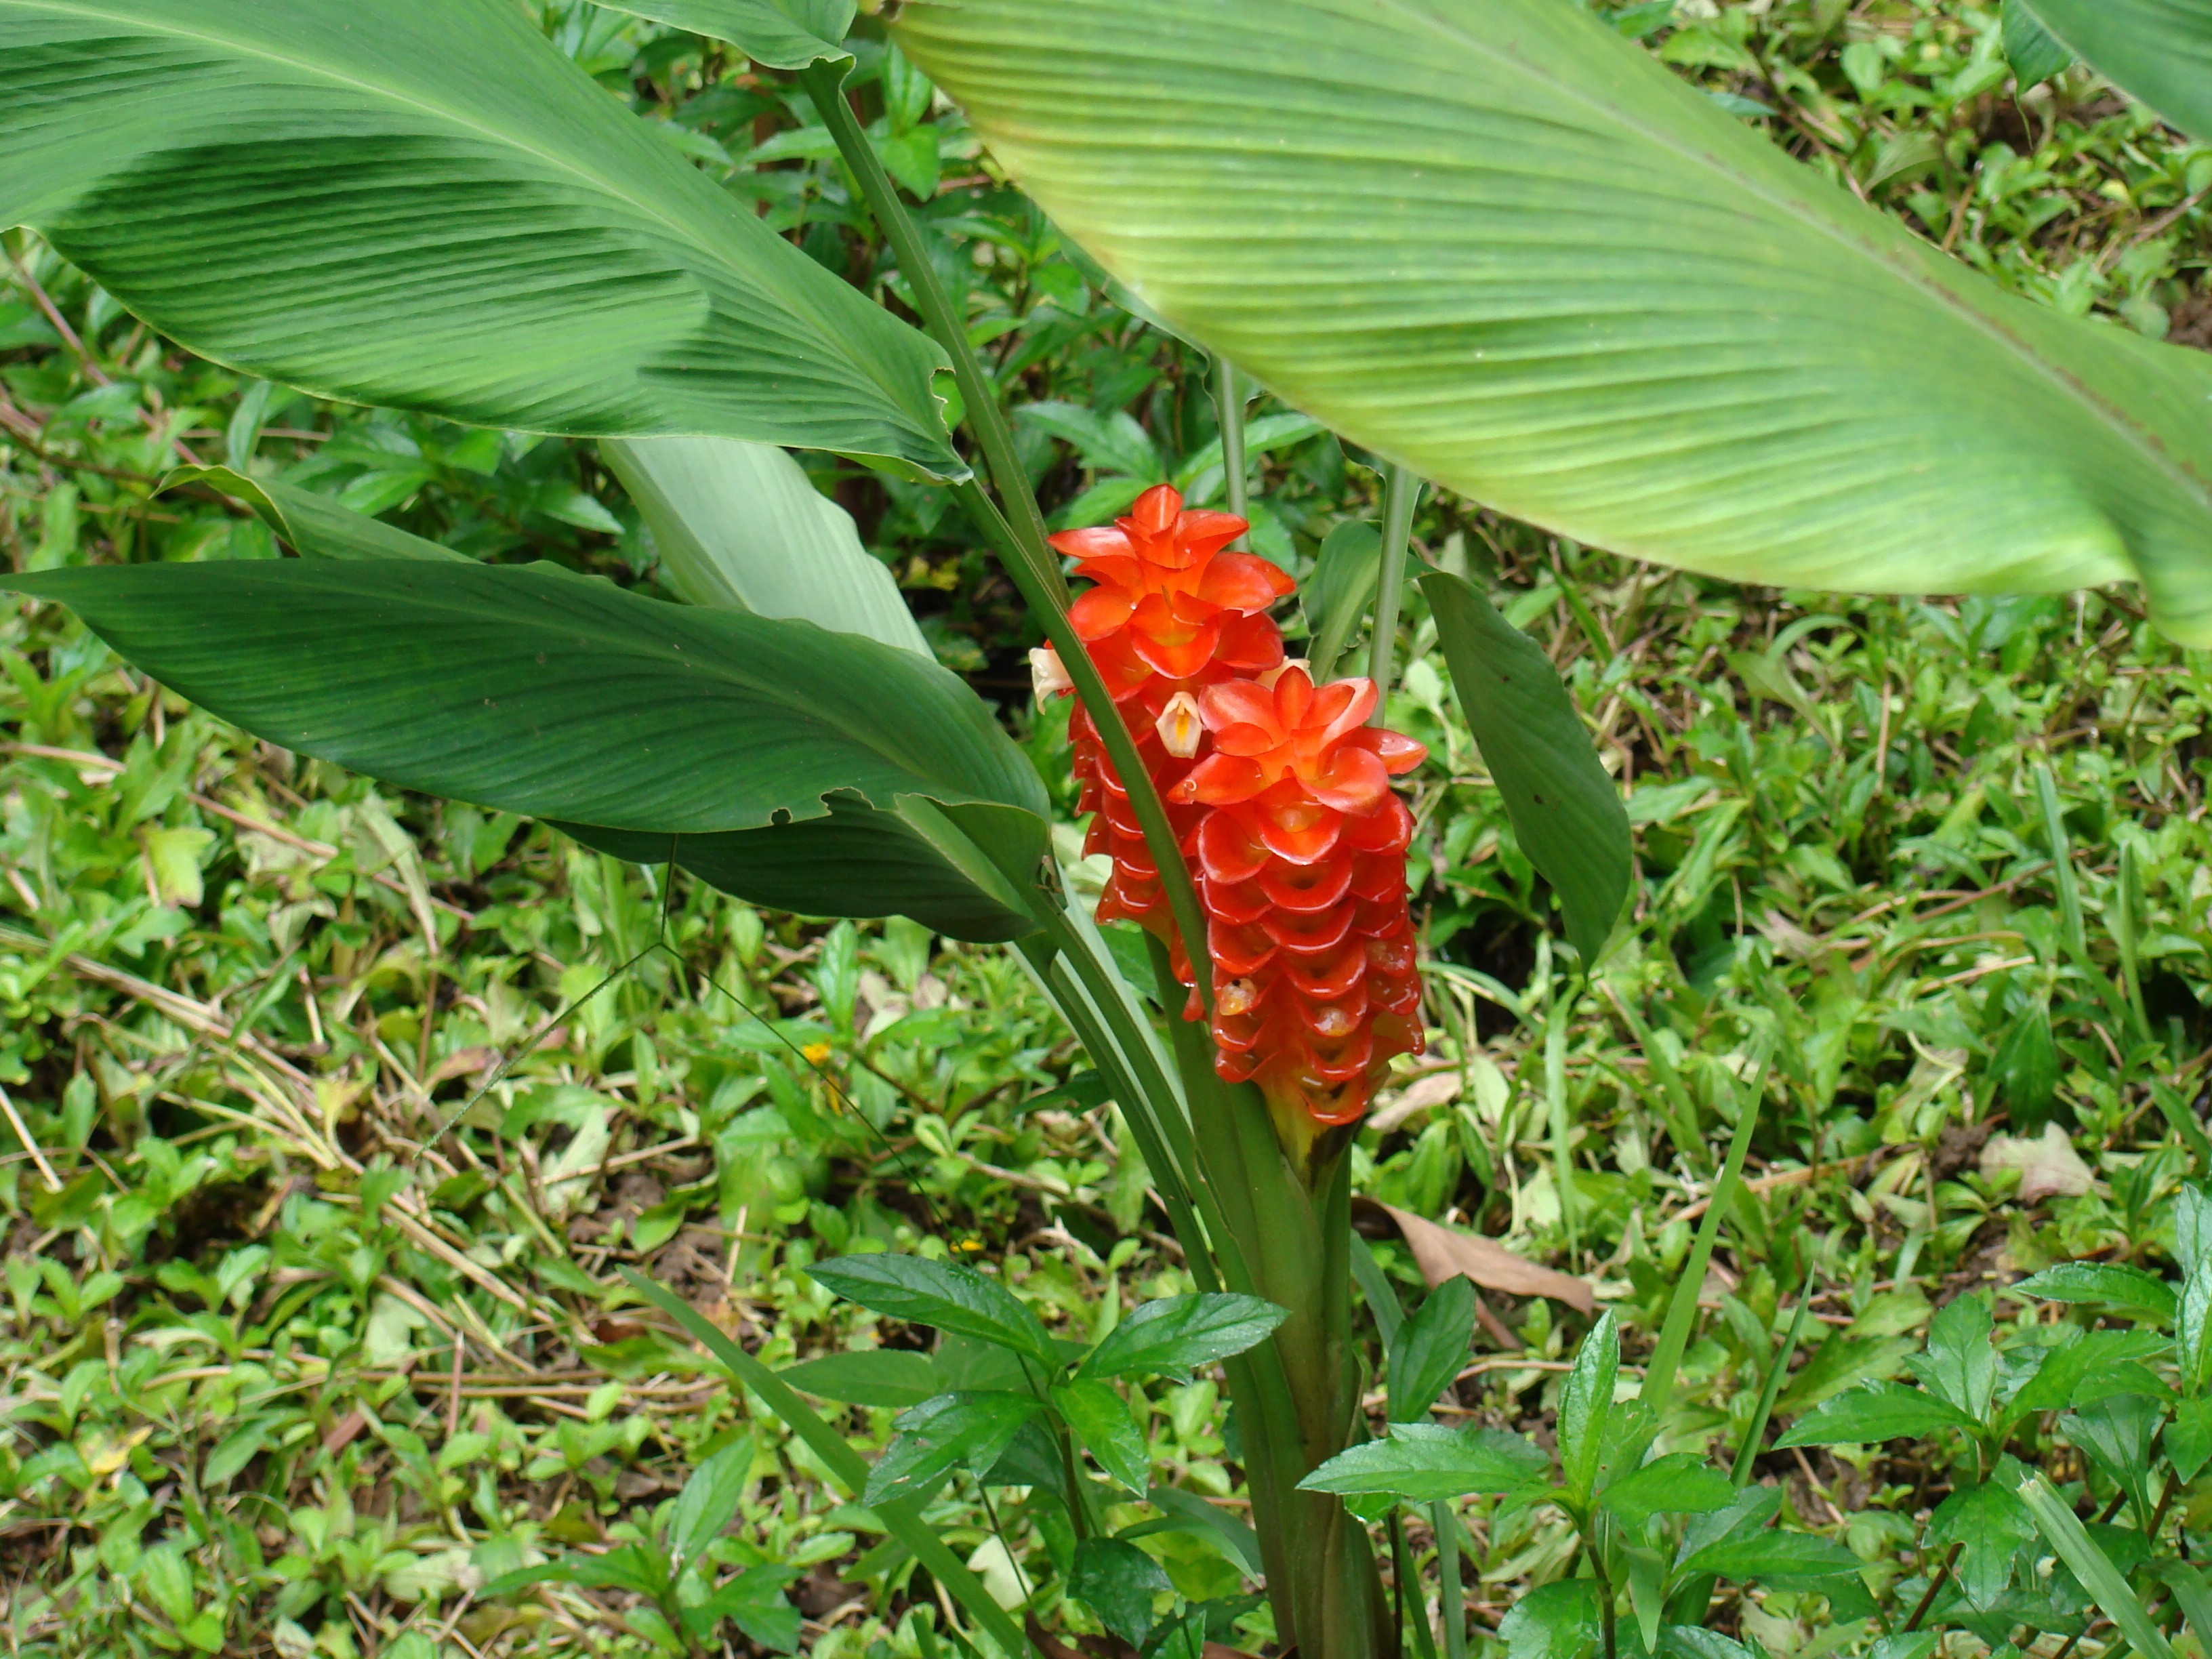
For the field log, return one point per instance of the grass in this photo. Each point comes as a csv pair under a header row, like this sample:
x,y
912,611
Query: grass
x,y
335,1110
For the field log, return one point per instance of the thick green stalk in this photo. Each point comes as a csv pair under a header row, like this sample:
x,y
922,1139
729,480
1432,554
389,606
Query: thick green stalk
x,y
1399,497
1120,748
1235,478
1020,530
824,84
1675,1336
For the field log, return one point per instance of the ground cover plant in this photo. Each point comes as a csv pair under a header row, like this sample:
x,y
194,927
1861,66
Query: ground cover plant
x,y
408,1285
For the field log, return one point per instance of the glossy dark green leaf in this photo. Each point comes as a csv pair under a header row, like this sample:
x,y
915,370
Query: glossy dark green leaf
x,y
857,862
1682,1484
1558,1620
2188,1438
1430,1348
753,1600
441,213
1868,1416
2025,1067
942,1295
939,1435
1989,1524
1178,1334
1772,1554
785,35
1566,813
870,1377
2095,1365
539,691
1586,1405
2108,1284
1345,574
313,524
1421,1463
1102,1422
1118,1582
2158,50
2035,56
708,1501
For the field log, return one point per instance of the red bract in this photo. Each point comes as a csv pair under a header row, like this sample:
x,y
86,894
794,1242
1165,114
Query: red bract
x,y
1172,614
1302,868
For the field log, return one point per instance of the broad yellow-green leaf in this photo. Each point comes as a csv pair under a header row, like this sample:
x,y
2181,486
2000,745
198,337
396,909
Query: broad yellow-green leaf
x,y
1495,241
422,204
2158,50
741,527
785,35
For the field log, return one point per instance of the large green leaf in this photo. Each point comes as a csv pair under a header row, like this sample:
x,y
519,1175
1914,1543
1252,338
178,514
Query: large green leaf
x,y
1565,810
1497,242
785,35
860,862
426,205
316,526
563,696
740,526
2158,50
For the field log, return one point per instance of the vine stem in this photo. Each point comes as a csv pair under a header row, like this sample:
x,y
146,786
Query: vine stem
x,y
1400,496
1020,530
1236,479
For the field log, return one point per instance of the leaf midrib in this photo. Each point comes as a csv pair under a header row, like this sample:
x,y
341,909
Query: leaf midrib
x,y
686,233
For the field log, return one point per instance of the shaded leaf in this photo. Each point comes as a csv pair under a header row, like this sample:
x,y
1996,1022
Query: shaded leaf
x,y
1682,1484
2158,50
785,35
2110,1284
708,1501
1178,1334
1586,1405
1430,1348
2029,48
1117,1581
872,1376
1959,1364
315,526
1102,1421
1333,598
1989,1524
1772,1554
1558,1620
942,1435
1421,1463
940,1294
1566,810
1866,1416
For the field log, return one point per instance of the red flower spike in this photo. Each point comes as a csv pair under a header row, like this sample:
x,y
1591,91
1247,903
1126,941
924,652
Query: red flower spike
x,y
1278,791
1302,867
1172,614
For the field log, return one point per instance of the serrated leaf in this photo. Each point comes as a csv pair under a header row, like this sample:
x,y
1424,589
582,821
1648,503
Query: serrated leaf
x,y
1960,1363
1772,1554
1989,1524
1558,1620
1868,1416
1100,1420
2110,1284
1178,1334
1585,1404
942,1295
1118,1582
1421,1463
1682,1484
2189,1439
939,1435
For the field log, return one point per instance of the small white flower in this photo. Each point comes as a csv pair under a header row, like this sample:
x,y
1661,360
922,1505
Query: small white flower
x,y
1179,725
1047,675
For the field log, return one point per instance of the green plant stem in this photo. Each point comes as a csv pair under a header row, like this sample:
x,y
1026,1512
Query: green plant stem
x,y
1747,1453
1400,496
1555,1096
1120,748
1236,479
1675,1336
902,1519
824,84
1935,1584
1019,530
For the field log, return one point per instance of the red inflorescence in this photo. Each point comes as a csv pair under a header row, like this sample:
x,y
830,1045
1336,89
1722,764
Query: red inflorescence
x,y
1302,866
1172,614
1278,791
